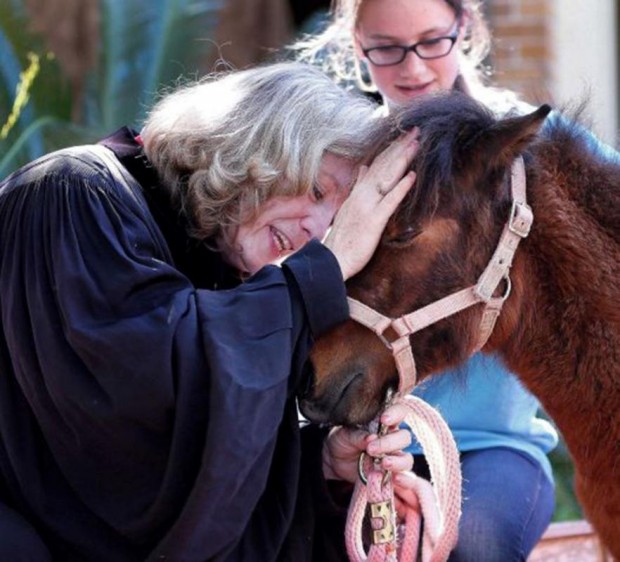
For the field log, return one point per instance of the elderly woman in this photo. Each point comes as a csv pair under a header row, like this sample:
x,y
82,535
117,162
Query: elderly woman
x,y
150,357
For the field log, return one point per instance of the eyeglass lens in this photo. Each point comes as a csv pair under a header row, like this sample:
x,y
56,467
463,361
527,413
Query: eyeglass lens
x,y
394,54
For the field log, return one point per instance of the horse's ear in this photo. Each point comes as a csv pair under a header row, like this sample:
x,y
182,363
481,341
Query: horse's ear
x,y
504,140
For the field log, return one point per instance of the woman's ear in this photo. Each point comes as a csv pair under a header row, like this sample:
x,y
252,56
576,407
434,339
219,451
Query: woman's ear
x,y
357,46
464,25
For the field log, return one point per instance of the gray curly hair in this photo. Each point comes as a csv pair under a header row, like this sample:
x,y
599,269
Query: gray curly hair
x,y
228,143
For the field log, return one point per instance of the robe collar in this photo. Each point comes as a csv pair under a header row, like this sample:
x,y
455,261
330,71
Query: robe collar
x,y
203,265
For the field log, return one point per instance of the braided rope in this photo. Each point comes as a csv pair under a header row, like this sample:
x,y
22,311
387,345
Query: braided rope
x,y
439,503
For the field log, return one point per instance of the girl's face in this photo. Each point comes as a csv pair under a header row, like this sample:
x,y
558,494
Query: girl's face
x,y
284,224
383,23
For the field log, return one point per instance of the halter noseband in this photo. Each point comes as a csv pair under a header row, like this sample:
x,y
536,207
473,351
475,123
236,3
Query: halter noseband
x,y
517,228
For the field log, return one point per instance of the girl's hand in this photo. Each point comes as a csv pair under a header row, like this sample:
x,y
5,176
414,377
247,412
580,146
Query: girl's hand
x,y
343,447
408,488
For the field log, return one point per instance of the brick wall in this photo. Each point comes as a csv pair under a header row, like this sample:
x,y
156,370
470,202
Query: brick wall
x,y
522,50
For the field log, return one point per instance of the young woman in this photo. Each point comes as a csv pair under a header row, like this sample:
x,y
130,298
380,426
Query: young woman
x,y
147,397
404,49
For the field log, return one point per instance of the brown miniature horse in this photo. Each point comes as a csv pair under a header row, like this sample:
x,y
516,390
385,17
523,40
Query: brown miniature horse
x,y
559,329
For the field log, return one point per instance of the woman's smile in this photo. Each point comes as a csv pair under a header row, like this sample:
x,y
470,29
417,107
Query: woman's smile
x,y
283,225
282,243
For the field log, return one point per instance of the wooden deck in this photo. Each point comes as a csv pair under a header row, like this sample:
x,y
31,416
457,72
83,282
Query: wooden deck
x,y
572,541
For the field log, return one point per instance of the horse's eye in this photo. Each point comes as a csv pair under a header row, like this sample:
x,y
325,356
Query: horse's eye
x,y
403,237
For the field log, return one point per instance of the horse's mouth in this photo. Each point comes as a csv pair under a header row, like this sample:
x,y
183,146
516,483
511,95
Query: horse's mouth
x,y
348,404
334,406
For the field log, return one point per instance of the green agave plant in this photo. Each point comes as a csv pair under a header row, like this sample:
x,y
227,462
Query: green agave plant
x,y
144,45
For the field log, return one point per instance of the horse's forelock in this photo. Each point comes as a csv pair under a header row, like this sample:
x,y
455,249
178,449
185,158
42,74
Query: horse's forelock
x,y
447,123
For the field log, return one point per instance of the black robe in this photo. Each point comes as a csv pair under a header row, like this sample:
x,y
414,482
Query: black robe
x,y
145,415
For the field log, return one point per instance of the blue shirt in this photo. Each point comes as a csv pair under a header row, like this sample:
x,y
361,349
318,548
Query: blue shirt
x,y
486,406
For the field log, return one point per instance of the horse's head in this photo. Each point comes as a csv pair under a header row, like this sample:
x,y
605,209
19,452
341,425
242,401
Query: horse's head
x,y
438,242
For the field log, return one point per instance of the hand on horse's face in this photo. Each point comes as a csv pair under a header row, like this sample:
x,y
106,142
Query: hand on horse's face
x,y
377,192
343,447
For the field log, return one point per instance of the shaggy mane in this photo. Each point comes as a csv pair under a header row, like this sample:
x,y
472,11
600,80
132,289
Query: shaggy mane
x,y
450,122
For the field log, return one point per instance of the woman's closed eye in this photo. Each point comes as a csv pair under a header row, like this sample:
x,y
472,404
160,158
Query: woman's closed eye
x,y
430,42
387,49
317,193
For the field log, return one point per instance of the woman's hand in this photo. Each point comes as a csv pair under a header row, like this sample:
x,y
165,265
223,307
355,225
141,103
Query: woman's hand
x,y
377,192
343,447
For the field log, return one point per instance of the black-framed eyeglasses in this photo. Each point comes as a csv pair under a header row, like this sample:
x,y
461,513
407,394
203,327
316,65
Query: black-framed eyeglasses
x,y
427,49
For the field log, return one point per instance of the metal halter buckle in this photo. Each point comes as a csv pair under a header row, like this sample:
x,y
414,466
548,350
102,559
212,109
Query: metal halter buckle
x,y
521,218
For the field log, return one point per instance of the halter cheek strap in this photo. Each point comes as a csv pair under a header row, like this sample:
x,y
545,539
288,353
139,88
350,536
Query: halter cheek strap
x,y
441,520
517,227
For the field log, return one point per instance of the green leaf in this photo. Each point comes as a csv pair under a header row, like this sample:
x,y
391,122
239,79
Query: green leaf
x,y
53,133
47,94
146,45
149,45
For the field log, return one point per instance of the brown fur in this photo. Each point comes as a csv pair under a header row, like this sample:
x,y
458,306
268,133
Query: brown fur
x,y
560,328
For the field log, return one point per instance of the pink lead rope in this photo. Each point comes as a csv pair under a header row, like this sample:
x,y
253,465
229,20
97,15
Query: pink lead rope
x,y
439,503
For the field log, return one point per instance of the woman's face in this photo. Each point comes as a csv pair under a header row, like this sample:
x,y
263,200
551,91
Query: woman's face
x,y
405,22
284,224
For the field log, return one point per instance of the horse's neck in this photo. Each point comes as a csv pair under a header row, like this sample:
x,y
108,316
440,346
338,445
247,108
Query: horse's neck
x,y
561,333
575,195
580,181
573,240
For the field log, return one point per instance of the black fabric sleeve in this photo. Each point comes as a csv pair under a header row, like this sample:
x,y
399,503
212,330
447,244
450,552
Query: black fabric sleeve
x,y
315,270
156,407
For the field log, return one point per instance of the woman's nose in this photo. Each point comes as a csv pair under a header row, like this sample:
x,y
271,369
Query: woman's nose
x,y
316,223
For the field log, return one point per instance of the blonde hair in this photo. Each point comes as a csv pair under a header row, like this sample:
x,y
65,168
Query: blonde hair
x,y
333,49
225,145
